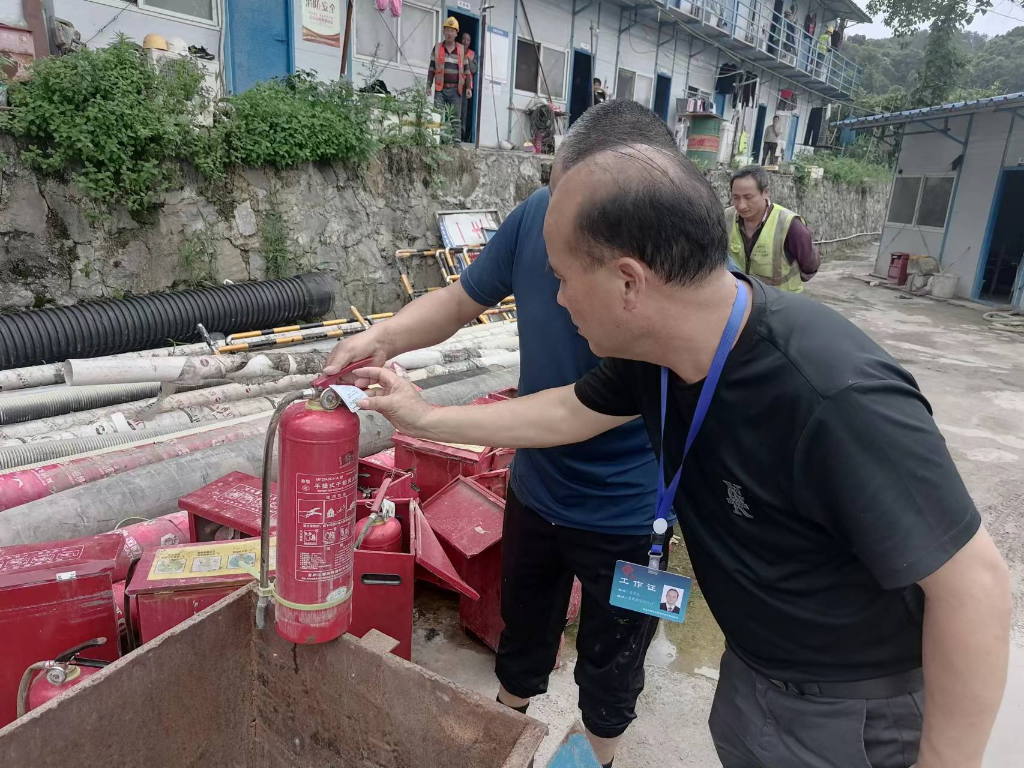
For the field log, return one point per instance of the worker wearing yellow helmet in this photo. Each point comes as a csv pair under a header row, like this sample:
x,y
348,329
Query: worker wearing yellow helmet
x,y
447,74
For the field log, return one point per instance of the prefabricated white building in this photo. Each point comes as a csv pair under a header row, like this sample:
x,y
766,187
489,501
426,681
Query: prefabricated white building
x,y
958,193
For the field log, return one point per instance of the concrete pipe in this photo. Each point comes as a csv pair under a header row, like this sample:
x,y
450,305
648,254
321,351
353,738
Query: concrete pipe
x,y
144,410
191,370
490,362
154,490
171,421
53,373
423,358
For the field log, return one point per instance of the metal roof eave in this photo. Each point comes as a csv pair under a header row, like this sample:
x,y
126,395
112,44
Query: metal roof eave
x,y
924,113
847,9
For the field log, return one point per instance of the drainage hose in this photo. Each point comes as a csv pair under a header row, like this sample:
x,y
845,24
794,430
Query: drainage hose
x,y
96,328
63,401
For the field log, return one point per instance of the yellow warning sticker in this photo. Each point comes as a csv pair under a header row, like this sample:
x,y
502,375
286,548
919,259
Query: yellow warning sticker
x,y
210,560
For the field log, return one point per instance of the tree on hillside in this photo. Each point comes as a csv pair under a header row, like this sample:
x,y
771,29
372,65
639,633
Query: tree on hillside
x,y
1000,63
941,74
944,60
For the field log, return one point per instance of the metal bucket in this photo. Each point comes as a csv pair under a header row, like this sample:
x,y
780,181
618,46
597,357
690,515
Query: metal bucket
x,y
705,139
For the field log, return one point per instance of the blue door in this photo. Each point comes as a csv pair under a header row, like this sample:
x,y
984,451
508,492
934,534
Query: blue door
x,y
258,42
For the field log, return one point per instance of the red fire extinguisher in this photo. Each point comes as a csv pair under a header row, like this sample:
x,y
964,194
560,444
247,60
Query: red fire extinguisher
x,y
317,490
67,670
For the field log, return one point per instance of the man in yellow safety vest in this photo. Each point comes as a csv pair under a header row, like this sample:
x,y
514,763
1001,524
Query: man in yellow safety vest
x,y
447,73
766,240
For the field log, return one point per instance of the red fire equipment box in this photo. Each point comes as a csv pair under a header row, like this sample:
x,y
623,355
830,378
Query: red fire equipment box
x,y
53,597
433,465
383,581
173,584
468,519
898,263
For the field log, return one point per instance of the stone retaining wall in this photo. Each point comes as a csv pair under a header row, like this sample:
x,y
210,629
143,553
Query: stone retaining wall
x,y
329,217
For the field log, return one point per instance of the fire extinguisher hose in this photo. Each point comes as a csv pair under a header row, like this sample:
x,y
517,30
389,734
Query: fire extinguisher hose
x,y
26,679
268,459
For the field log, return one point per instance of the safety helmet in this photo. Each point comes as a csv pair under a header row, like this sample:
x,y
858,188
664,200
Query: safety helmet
x,y
830,28
452,22
154,42
177,45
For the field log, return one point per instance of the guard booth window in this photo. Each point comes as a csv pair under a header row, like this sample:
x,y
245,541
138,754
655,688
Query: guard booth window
x,y
921,200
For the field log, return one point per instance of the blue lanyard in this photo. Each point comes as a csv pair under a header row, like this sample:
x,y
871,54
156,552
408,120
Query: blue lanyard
x,y
666,496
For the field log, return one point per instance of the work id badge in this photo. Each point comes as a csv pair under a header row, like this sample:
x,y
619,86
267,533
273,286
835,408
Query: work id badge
x,y
648,590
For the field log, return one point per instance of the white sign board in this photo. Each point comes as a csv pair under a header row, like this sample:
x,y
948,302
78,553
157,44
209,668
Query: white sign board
x,y
462,228
321,22
497,54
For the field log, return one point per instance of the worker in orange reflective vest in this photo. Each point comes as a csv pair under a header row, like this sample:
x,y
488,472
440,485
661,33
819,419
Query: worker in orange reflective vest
x,y
447,73
467,92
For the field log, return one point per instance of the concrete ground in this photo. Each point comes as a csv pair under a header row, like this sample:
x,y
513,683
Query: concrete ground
x,y
974,378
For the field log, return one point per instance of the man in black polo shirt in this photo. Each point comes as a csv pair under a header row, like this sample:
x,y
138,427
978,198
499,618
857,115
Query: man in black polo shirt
x,y
865,608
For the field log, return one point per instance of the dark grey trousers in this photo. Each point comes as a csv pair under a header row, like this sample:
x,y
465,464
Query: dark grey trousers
x,y
755,724
450,97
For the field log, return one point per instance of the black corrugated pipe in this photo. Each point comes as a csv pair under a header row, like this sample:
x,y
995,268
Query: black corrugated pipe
x,y
96,328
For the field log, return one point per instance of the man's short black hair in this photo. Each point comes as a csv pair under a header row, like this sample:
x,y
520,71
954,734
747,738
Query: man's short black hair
x,y
756,172
611,124
655,206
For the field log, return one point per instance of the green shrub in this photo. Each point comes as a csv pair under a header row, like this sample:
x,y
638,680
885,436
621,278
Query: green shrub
x,y
117,124
286,122
843,169
109,118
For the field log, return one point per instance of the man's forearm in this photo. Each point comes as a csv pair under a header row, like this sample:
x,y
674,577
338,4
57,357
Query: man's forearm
x,y
428,320
545,419
966,647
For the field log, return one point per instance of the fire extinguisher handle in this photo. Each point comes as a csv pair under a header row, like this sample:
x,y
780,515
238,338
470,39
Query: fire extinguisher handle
x,y
72,652
322,382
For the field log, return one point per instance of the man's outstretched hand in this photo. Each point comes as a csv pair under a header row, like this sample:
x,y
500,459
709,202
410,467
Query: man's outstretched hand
x,y
396,399
360,346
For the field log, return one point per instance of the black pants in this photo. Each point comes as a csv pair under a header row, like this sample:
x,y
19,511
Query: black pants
x,y
755,724
539,561
769,152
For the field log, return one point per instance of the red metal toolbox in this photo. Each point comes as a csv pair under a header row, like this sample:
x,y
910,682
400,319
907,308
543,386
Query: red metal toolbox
x,y
384,581
172,584
433,465
468,520
55,596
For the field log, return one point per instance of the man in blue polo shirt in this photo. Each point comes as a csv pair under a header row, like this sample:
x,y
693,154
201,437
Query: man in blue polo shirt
x,y
572,510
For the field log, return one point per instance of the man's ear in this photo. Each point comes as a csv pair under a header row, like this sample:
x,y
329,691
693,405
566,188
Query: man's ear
x,y
634,281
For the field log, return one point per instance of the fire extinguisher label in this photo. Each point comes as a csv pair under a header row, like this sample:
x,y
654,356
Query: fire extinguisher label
x,y
323,525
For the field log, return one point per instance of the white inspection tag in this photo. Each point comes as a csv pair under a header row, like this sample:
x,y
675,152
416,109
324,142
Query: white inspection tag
x,y
349,395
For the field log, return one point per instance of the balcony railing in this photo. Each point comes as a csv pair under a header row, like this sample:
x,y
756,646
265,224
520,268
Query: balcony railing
x,y
770,37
